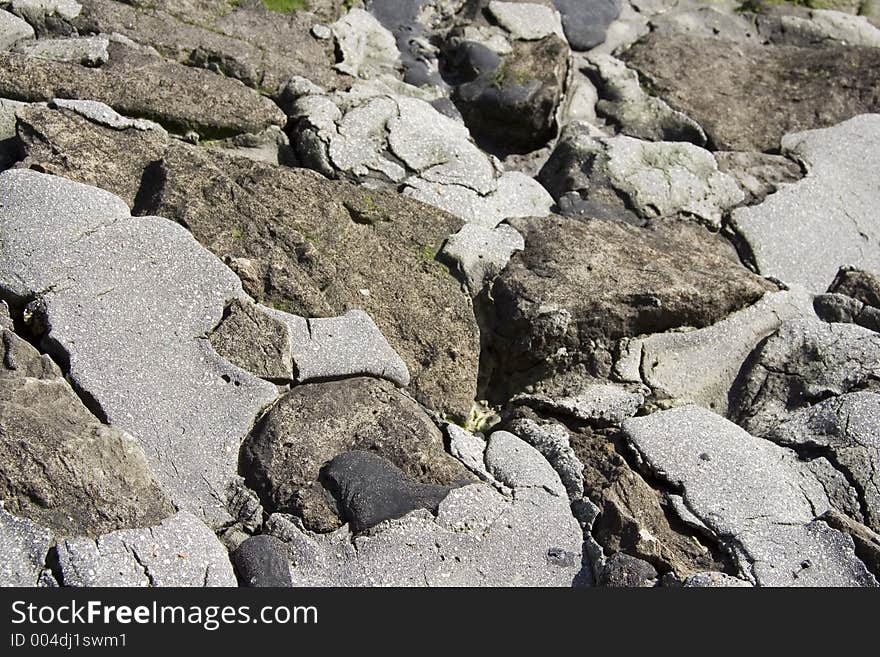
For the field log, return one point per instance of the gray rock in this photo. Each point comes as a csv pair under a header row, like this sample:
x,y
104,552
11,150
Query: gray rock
x,y
271,145
9,151
24,545
634,111
844,428
12,30
841,308
867,542
514,462
87,51
860,285
820,26
367,49
181,551
758,174
313,423
601,404
807,230
753,495
252,339
553,442
478,538
188,408
59,466
585,21
471,451
805,362
526,20
701,366
104,114
480,253
623,571
714,580
708,23
38,9
260,562
369,490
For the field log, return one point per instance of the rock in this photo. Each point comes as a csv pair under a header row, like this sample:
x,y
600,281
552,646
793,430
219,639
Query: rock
x,y
88,51
478,538
700,367
250,338
313,423
841,308
479,253
552,441
8,145
144,86
181,551
746,98
262,49
13,30
624,571
271,145
104,115
259,561
585,21
805,362
706,22
367,49
867,543
370,490
758,174
714,580
600,404
35,9
807,230
59,466
470,449
655,179
753,495
860,285
641,281
188,408
821,26
844,428
636,113
525,20
514,462
24,545
299,242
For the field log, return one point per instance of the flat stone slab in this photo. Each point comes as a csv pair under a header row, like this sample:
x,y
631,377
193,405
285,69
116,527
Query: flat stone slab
x,y
128,302
527,20
603,403
88,51
181,551
757,498
24,545
808,230
12,30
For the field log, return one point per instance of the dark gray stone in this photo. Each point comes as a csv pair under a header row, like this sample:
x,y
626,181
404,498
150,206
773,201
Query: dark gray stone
x,y
260,561
623,571
585,21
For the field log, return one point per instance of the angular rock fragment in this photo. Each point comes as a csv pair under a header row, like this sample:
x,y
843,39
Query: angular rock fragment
x,y
514,462
313,423
841,308
180,551
860,285
13,30
752,495
24,545
807,230
746,98
714,580
87,51
367,49
369,489
260,562
526,20
623,571
758,174
553,442
71,248
600,404
805,362
480,253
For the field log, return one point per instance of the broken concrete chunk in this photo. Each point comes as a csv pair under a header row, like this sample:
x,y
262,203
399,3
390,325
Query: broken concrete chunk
x,y
553,442
807,230
13,30
480,253
751,494
526,20
188,408
514,462
180,551
601,404
367,48
24,545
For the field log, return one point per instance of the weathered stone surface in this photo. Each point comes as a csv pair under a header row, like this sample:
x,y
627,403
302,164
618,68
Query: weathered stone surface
x,y
259,562
632,109
714,580
807,230
369,489
313,423
161,382
9,151
701,366
585,21
641,281
366,48
600,404
262,49
805,362
181,551
758,174
251,339
59,466
515,463
867,542
526,20
623,571
88,51
271,145
746,98
102,114
480,253
860,285
299,242
821,26
478,538
553,442
752,495
841,308
844,428
12,30
24,545
144,86
654,179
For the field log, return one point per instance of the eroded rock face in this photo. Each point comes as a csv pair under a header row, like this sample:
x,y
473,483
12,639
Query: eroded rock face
x,y
641,281
753,495
59,466
316,422
748,97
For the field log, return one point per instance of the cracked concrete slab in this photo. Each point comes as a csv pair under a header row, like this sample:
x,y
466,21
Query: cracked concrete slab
x,y
132,327
24,545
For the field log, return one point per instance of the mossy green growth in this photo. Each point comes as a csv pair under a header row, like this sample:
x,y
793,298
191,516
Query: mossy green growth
x,y
285,6
236,233
284,306
366,210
